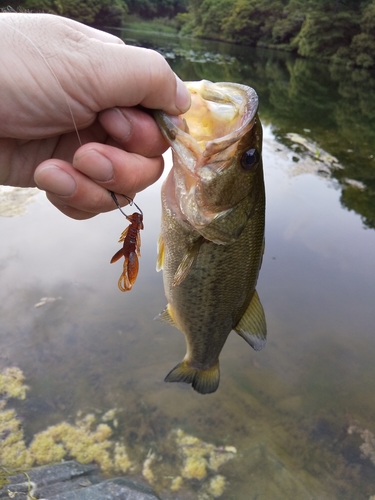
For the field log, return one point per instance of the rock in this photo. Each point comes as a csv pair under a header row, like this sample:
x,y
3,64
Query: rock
x,y
73,481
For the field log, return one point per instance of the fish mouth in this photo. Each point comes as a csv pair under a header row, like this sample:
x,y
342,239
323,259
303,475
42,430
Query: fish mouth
x,y
220,114
205,141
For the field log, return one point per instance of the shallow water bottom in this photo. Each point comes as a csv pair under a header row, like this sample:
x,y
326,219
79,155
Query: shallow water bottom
x,y
296,412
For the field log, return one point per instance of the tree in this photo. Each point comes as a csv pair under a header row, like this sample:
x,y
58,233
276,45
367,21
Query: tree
x,y
361,51
322,34
109,13
149,9
251,21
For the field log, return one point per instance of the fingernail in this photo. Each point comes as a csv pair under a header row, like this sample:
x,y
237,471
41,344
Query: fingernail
x,y
51,178
121,127
182,96
95,165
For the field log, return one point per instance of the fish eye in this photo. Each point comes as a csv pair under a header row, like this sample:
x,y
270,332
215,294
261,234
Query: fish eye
x,y
249,159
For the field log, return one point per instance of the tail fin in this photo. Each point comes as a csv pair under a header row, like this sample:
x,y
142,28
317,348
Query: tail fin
x,y
202,381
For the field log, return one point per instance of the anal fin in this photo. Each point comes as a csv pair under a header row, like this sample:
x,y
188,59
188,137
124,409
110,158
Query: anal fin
x,y
167,316
252,326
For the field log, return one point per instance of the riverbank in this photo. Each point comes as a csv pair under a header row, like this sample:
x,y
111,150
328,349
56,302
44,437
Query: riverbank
x,y
156,25
344,37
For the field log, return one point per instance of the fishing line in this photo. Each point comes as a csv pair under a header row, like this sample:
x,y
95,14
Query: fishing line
x,y
53,73
130,200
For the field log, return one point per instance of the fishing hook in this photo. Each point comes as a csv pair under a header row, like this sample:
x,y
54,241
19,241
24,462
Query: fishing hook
x,y
130,200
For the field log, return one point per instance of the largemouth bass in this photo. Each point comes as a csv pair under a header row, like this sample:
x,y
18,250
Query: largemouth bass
x,y
212,231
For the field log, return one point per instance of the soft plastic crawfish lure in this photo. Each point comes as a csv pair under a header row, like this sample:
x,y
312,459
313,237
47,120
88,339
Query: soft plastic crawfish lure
x,y
131,248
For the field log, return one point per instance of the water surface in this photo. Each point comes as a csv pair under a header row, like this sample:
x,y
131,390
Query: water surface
x,y
286,409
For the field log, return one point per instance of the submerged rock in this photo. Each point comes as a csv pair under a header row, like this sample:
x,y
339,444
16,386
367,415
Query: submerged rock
x,y
73,481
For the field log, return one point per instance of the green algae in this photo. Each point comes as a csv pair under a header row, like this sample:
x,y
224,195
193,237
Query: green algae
x,y
85,440
90,440
12,383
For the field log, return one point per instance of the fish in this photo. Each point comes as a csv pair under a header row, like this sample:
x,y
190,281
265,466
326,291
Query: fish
x,y
211,242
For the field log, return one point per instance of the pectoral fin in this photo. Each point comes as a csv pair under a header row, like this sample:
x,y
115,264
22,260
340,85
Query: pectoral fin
x,y
252,326
160,257
187,261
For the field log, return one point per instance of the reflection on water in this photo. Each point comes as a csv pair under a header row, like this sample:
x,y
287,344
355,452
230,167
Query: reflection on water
x,y
298,411
14,201
330,105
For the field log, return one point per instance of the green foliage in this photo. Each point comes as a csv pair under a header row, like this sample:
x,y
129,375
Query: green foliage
x,y
149,9
287,27
362,50
195,17
252,21
213,18
331,104
242,25
342,31
322,34
339,30
48,6
368,19
144,8
156,25
110,13
361,202
85,10
182,19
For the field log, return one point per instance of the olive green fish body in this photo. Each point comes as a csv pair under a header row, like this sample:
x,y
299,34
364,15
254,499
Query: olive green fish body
x,y
211,245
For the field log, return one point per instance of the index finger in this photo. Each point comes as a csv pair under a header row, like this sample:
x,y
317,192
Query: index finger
x,y
127,76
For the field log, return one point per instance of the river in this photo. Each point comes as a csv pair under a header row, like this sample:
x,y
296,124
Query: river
x,y
297,419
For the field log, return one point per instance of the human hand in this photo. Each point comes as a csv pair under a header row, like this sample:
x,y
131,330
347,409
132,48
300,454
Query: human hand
x,y
58,75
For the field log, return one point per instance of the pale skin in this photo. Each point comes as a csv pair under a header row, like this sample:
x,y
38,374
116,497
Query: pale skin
x,y
57,74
